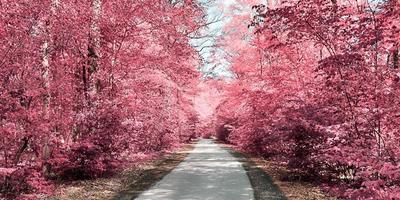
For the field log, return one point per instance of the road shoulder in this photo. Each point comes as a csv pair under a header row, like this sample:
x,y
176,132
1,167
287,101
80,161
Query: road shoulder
x,y
267,179
126,185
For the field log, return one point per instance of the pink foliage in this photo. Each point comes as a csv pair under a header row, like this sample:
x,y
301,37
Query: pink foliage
x,y
87,84
318,88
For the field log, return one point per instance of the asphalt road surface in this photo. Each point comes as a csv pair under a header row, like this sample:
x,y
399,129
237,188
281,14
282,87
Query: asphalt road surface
x,y
209,172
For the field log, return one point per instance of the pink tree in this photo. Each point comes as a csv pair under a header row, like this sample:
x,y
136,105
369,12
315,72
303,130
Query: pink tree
x,y
317,86
84,82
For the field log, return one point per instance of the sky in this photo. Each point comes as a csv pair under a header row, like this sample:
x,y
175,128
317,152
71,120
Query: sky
x,y
215,65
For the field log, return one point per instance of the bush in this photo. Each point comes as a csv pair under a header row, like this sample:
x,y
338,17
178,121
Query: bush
x,y
83,161
14,182
305,144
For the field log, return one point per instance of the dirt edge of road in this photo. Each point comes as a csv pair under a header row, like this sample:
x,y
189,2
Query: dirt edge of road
x,y
266,179
126,185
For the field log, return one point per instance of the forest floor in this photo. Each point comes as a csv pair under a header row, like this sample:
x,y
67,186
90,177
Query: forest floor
x,y
261,171
130,182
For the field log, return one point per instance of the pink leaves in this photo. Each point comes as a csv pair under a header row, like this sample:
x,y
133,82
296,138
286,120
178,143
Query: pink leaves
x,y
73,72
331,65
6,171
391,171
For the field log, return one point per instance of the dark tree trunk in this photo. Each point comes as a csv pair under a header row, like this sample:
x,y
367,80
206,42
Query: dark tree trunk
x,y
396,58
22,148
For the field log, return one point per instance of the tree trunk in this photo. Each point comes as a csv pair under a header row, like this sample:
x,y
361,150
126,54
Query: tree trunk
x,y
46,151
396,58
21,149
46,167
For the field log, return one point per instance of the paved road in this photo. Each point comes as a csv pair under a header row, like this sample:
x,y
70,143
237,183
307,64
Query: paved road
x,y
208,173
